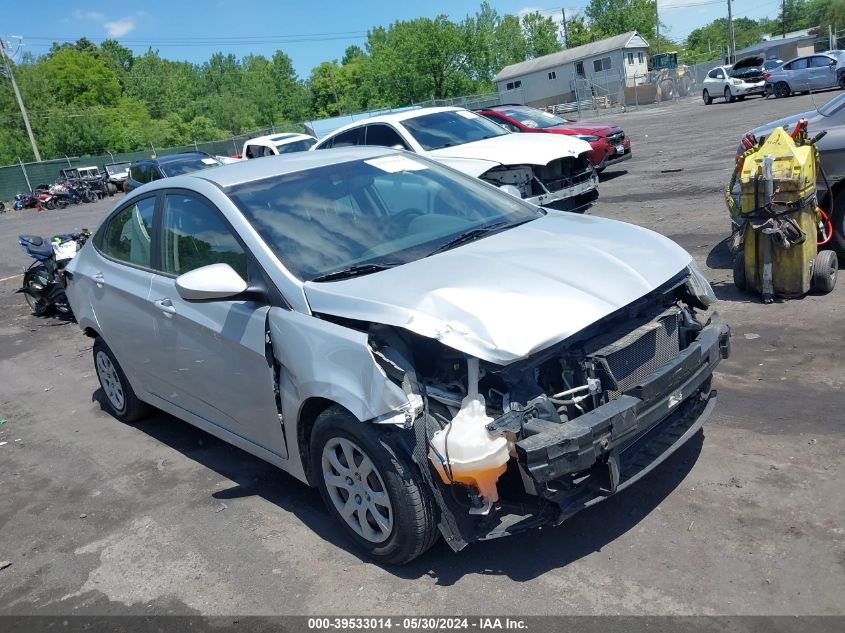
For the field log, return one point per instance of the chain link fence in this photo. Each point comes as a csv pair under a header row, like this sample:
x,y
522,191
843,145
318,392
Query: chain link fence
x,y
24,177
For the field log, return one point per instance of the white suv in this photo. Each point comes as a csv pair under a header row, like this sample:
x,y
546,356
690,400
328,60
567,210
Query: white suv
x,y
735,82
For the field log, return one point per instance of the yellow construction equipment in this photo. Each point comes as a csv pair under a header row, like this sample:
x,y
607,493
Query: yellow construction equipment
x,y
670,77
777,224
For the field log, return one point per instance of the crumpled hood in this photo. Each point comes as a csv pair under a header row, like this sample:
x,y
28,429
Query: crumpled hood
x,y
597,128
517,149
504,297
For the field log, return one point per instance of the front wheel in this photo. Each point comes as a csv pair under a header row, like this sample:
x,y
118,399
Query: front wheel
x,y
373,490
706,97
729,97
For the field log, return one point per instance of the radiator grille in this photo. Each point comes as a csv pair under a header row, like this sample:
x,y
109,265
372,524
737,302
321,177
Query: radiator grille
x,y
626,361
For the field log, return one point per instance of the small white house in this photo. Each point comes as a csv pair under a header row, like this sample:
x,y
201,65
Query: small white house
x,y
600,68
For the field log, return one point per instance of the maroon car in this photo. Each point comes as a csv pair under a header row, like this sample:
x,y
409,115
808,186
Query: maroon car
x,y
609,143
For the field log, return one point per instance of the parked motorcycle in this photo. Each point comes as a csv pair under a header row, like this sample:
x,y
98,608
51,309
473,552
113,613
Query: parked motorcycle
x,y
26,201
44,281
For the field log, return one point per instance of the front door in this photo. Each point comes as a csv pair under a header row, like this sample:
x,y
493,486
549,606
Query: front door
x,y
213,355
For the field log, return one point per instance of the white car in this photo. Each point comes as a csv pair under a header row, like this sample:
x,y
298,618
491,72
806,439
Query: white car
x,y
544,169
275,144
734,83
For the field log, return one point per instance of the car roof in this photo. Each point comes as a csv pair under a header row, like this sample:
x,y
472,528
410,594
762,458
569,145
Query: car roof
x,y
279,139
394,117
174,157
252,170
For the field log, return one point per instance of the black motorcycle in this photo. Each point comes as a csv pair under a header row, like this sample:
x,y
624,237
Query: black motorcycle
x,y
44,281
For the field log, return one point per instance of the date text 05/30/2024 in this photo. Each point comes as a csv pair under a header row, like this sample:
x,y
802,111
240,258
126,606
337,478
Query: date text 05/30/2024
x,y
416,624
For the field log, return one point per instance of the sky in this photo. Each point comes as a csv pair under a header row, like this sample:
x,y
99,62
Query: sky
x,y
309,32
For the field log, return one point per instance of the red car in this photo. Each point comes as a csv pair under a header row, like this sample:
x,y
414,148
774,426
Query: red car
x,y
609,143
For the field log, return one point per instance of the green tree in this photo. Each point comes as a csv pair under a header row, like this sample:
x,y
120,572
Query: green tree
x,y
540,34
79,79
613,17
511,46
578,32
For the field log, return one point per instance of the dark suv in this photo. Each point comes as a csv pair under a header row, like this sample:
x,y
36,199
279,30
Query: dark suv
x,y
143,171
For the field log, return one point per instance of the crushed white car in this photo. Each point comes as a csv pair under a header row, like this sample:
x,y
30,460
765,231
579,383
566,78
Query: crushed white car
x,y
275,144
547,170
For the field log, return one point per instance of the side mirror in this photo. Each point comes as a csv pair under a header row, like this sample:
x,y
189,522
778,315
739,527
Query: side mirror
x,y
215,282
511,190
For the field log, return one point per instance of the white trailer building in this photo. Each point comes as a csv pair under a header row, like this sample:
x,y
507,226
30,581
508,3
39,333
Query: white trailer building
x,y
597,69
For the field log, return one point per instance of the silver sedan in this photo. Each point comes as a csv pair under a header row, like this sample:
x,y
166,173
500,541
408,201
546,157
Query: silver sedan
x,y
336,313
806,74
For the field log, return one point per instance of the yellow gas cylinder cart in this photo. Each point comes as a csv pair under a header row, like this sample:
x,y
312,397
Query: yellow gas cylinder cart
x,y
778,226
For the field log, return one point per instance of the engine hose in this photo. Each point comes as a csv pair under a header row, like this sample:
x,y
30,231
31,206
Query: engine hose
x,y
828,226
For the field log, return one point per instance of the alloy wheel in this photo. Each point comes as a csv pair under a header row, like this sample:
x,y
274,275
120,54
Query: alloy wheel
x,y
110,381
357,489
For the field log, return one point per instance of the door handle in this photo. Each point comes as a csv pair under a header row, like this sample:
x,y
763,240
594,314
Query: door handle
x,y
99,279
165,305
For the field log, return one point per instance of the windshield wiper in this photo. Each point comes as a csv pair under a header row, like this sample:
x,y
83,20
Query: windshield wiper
x,y
468,236
354,271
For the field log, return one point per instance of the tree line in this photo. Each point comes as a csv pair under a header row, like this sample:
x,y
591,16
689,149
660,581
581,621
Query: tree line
x,y
88,99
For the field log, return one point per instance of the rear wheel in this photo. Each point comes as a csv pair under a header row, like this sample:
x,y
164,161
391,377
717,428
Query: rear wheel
x,y
372,489
842,80
825,270
120,400
706,97
782,89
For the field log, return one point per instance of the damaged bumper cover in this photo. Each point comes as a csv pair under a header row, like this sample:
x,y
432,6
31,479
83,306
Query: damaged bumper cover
x,y
579,195
570,466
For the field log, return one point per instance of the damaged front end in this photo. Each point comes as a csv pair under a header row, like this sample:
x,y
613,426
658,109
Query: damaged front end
x,y
575,422
567,184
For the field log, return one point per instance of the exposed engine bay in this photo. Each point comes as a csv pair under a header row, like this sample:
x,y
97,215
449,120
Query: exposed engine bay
x,y
563,428
562,178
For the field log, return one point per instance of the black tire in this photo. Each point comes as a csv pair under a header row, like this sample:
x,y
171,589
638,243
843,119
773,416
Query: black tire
x,y
842,80
739,271
729,97
128,408
667,90
413,529
706,97
782,89
825,269
34,276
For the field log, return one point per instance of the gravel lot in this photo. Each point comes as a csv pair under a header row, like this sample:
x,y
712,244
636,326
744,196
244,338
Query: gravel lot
x,y
749,518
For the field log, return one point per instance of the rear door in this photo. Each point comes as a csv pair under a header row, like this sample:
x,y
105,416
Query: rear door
x,y
213,356
119,281
798,74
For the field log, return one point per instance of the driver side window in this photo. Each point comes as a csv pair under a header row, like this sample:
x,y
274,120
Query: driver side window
x,y
195,235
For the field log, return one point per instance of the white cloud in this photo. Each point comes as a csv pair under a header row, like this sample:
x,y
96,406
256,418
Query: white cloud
x,y
88,15
119,28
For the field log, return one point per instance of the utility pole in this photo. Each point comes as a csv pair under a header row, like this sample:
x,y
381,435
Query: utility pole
x,y
657,23
8,68
731,41
783,19
830,40
565,33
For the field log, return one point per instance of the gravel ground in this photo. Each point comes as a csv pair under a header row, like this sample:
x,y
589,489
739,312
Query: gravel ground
x,y
159,517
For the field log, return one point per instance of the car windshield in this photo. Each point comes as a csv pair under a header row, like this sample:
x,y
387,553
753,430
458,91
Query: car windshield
x,y
116,168
383,211
187,165
446,129
296,146
834,106
531,117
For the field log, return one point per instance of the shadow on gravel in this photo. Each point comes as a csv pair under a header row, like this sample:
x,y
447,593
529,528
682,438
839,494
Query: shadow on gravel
x,y
521,557
609,174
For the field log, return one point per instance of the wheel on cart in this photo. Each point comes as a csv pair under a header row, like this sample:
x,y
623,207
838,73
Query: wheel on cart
x,y
825,269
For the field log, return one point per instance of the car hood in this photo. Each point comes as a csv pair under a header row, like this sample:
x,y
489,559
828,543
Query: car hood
x,y
517,149
755,61
506,296
789,121
597,128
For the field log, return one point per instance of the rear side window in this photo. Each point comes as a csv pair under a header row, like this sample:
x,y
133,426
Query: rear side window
x,y
195,235
139,173
128,233
798,64
354,136
384,136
